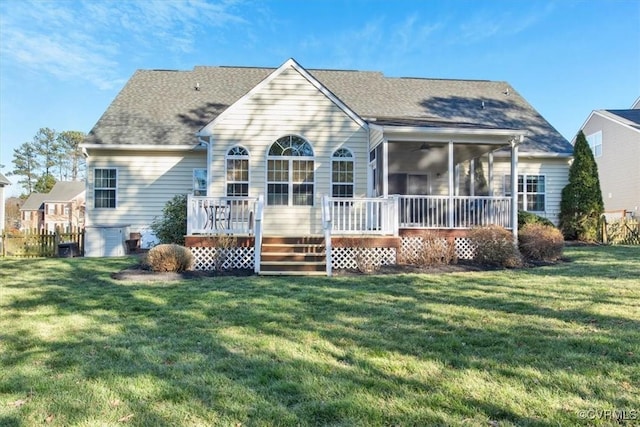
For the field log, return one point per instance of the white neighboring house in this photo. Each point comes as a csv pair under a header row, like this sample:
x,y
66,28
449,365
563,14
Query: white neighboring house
x,y
285,137
614,137
3,183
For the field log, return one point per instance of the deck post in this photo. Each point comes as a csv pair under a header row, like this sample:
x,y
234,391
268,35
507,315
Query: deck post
x,y
257,244
395,218
450,174
326,225
189,216
514,189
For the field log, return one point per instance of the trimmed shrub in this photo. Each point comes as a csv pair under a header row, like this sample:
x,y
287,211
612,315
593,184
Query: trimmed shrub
x,y
169,258
171,227
539,242
525,218
433,250
494,246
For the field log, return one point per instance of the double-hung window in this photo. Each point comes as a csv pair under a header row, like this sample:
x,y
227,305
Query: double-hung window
x,y
595,143
105,185
237,172
531,192
342,178
290,172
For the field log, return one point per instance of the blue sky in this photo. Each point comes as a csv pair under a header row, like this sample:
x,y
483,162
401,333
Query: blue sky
x,y
63,62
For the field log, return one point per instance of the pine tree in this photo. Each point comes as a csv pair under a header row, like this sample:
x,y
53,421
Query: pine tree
x,y
47,149
581,205
71,158
26,165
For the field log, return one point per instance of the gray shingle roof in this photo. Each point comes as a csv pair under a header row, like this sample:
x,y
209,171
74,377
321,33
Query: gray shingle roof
x,y
62,191
631,117
163,108
34,202
4,181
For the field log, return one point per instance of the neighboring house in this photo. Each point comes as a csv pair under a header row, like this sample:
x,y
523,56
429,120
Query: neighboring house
x,y
265,145
62,208
614,137
3,182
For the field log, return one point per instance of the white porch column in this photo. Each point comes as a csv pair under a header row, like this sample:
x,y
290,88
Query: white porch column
x,y
514,189
450,173
209,158
385,168
491,173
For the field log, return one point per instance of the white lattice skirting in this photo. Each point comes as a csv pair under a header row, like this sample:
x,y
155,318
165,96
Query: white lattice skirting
x,y
342,258
230,259
350,258
464,248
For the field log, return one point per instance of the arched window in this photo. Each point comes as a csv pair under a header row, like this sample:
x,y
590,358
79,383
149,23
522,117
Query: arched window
x,y
290,172
342,177
237,172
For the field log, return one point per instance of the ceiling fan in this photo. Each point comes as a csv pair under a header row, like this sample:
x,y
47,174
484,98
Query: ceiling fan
x,y
423,147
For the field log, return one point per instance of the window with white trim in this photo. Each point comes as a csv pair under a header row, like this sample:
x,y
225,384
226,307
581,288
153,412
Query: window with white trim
x,y
595,143
237,172
531,192
199,182
105,186
342,177
290,172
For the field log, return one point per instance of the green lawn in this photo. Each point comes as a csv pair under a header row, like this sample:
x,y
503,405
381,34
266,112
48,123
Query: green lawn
x,y
529,347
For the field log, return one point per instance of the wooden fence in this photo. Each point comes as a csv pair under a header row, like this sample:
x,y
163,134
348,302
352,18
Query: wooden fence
x,y
623,231
42,244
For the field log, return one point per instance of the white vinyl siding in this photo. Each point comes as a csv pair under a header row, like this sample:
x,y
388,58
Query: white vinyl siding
x,y
554,170
619,164
146,181
288,105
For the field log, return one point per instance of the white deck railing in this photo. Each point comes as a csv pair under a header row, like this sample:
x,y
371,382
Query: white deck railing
x,y
385,215
454,212
361,215
221,215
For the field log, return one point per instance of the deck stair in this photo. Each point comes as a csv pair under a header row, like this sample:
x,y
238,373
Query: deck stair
x,y
301,256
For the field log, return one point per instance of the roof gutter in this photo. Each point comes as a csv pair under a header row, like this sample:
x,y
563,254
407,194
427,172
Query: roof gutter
x,y
458,135
140,147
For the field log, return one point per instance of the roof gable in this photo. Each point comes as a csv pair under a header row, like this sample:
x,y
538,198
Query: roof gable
x,y
290,63
4,181
627,118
